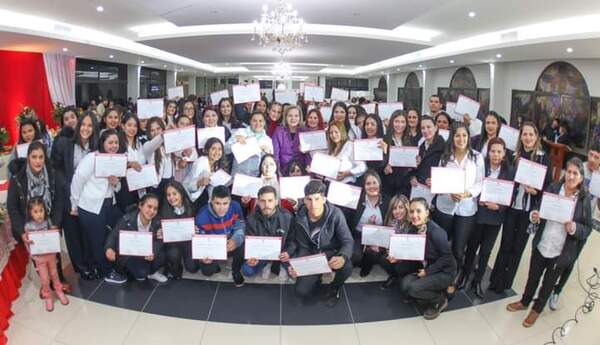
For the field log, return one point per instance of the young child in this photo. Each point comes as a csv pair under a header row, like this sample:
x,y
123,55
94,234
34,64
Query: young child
x,y
45,264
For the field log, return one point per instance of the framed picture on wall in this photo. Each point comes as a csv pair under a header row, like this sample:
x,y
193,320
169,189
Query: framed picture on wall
x,y
594,131
521,107
574,111
546,108
483,97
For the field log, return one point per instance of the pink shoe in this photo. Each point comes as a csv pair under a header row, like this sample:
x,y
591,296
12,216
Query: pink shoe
x,y
49,304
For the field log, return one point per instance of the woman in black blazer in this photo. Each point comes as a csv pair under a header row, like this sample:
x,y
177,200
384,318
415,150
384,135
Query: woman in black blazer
x,y
555,245
430,152
489,219
491,129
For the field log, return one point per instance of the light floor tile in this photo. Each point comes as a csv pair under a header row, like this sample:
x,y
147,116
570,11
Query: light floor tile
x,y
331,335
464,326
396,332
217,333
20,335
33,315
150,329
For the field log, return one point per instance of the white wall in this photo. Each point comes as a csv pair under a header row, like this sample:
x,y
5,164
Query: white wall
x,y
133,81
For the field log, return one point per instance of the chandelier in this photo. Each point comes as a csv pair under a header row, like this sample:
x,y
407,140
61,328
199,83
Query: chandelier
x,y
280,27
282,70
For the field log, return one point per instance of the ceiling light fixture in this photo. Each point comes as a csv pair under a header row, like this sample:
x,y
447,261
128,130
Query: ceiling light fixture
x,y
451,61
143,62
99,8
164,66
111,56
420,66
472,14
282,70
498,56
569,50
65,49
280,27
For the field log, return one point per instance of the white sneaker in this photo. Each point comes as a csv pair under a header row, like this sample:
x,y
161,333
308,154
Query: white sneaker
x,y
553,301
283,276
159,277
266,271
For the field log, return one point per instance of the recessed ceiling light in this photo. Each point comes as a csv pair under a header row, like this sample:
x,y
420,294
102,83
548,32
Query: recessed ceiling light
x,y
451,61
111,56
164,66
142,61
472,14
65,49
100,8
569,50
397,69
92,67
498,56
420,66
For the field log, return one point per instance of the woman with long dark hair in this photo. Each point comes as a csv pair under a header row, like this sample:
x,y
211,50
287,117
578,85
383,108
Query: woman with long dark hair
x,y
395,178
339,114
491,126
154,152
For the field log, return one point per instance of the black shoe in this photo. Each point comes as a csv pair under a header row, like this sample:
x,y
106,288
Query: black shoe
x,y
365,270
333,296
238,280
87,275
115,278
478,289
434,311
389,283
461,280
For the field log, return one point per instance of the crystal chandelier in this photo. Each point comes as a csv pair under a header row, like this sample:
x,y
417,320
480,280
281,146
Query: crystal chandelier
x,y
280,27
282,70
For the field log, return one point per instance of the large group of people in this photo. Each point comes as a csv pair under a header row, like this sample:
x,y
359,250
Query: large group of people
x,y
53,186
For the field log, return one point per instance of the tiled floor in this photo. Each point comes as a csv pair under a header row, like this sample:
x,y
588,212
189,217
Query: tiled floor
x,y
211,312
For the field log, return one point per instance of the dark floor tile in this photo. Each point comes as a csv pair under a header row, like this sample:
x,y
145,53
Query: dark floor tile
x,y
250,304
131,295
369,303
459,301
314,311
184,298
81,288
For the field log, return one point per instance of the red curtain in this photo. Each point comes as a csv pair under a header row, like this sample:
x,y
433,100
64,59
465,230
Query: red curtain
x,y
23,83
12,275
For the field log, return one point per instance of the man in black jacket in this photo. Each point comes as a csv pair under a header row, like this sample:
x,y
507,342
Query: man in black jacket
x,y
318,228
269,220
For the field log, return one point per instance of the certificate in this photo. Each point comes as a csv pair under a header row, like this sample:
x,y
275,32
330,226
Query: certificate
x,y
293,187
421,191
179,139
375,235
178,230
314,93
44,242
174,92
475,127
215,97
444,133
465,106
339,94
246,93
510,136
367,150
557,208
497,191
22,150
595,184
262,247
244,185
147,177
213,247
203,134
286,96
531,174
107,164
369,107
447,180
135,243
387,109
309,265
450,110
325,165
408,247
147,108
326,113
403,156
219,178
343,194
242,152
312,141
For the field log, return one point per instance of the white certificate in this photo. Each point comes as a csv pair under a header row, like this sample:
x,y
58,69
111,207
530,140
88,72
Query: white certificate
x,y
447,180
369,107
403,156
22,150
531,174
312,141
325,165
44,242
213,247
557,208
246,93
444,133
595,184
475,127
179,139
314,93
286,96
293,187
375,235
387,109
408,247
465,105
244,185
147,108
262,247
343,194
216,96
178,230
367,150
326,113
147,177
107,164
339,94
510,136
450,110
242,152
309,265
497,191
421,191
206,133
135,243
174,92
219,178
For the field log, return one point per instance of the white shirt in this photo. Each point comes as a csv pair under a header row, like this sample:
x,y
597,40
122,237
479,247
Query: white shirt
x,y
554,236
88,191
474,171
142,227
495,173
370,210
356,168
354,132
166,168
199,168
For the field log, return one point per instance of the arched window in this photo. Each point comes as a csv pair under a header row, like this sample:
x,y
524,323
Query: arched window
x,y
411,95
463,83
381,90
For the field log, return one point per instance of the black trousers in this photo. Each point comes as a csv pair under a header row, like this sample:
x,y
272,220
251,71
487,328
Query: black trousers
x,y
429,290
236,266
79,253
564,277
307,285
139,267
539,266
482,239
513,243
459,231
176,253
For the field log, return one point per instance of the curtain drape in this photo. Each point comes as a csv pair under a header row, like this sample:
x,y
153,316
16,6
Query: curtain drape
x,y
60,72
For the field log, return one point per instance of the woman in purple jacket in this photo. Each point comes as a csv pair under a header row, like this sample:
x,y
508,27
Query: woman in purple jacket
x,y
286,143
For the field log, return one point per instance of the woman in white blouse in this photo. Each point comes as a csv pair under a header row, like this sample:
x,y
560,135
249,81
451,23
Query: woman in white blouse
x,y
135,159
256,130
154,152
339,114
341,147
